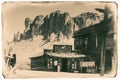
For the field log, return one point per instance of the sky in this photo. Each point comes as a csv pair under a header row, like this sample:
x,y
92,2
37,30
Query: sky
x,y
14,13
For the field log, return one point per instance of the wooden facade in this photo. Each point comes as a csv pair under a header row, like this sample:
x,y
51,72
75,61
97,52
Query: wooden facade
x,y
38,63
63,59
95,40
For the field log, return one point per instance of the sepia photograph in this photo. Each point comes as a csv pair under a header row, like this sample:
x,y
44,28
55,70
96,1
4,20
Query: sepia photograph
x,y
70,39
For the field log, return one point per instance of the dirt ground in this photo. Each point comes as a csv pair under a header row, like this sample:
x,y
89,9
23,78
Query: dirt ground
x,y
43,74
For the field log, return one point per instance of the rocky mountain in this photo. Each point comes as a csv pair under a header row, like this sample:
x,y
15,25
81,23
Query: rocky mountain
x,y
87,19
27,23
32,28
37,23
57,25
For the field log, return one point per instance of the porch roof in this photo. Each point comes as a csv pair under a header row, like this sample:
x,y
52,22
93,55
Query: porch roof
x,y
66,55
36,55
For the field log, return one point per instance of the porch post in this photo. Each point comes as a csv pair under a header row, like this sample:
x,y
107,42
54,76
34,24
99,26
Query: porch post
x,y
58,65
68,63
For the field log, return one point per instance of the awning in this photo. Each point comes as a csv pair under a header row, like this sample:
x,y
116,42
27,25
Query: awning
x,y
37,55
66,55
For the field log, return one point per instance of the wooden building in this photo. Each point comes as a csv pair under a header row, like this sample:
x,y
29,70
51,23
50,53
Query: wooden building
x,y
97,41
38,62
62,59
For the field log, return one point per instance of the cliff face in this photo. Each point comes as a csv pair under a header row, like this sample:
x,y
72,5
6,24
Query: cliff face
x,y
35,26
32,27
87,19
28,22
58,24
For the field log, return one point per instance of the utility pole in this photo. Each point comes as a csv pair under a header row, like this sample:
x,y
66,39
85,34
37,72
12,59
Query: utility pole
x,y
106,12
103,53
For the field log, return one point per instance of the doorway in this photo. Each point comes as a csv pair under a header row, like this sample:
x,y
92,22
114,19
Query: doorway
x,y
64,65
108,61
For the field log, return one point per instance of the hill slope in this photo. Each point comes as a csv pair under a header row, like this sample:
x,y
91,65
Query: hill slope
x,y
27,48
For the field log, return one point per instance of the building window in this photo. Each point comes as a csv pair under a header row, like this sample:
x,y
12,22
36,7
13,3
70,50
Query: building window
x,y
48,66
72,63
96,40
50,63
75,65
86,43
109,41
80,42
77,42
72,66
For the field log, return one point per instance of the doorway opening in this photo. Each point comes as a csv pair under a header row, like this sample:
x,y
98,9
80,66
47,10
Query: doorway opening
x,y
64,65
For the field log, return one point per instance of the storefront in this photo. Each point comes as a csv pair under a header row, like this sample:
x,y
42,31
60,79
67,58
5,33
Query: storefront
x,y
97,41
64,62
63,59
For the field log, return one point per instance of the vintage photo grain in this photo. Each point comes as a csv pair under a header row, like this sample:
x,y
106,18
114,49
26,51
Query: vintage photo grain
x,y
59,39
